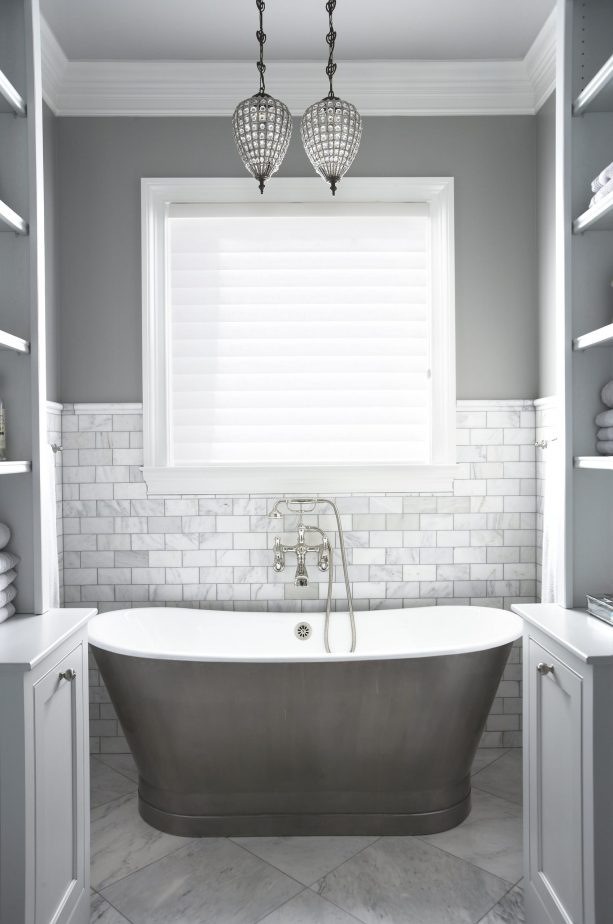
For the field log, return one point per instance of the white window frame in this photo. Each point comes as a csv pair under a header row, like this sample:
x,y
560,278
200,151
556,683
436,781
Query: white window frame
x,y
156,196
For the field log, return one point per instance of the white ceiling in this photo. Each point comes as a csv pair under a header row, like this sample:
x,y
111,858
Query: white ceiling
x,y
192,30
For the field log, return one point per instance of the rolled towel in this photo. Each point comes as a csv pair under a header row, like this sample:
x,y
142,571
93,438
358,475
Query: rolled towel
x,y
9,593
602,193
605,419
604,434
604,448
605,175
9,576
8,561
5,535
6,612
606,395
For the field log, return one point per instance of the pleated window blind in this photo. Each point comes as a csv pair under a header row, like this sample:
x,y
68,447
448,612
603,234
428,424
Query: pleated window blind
x,y
298,334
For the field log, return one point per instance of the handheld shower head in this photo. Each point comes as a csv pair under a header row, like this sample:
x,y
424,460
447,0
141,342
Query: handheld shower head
x,y
274,513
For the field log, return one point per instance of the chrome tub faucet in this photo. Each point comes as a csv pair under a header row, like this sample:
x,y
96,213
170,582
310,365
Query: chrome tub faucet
x,y
323,549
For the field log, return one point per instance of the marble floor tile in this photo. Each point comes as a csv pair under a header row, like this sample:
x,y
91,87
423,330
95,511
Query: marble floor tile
x,y
103,913
122,842
122,763
509,910
504,777
209,881
486,756
106,784
308,908
491,836
403,880
306,859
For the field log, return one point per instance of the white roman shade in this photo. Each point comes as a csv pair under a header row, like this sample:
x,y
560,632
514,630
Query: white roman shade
x,y
299,333
298,343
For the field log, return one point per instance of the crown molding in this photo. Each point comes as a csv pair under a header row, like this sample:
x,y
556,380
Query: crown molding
x,y
54,65
540,62
377,88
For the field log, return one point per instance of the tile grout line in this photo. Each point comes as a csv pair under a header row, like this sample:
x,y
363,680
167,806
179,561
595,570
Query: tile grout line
x,y
188,840
489,911
421,838
333,870
111,905
496,796
100,759
308,889
492,762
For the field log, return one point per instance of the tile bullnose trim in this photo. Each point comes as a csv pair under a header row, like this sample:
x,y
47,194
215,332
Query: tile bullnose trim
x,y
107,407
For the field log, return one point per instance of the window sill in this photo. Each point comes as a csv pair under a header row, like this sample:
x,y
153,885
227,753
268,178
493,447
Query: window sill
x,y
249,479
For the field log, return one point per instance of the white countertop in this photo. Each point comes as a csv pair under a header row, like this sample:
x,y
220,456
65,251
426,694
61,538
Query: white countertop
x,y
588,638
25,640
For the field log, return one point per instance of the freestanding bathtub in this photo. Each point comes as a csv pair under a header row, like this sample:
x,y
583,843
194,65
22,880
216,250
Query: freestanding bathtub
x,y
240,727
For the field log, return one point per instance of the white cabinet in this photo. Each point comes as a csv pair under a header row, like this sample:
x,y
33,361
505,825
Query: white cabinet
x,y
59,783
554,781
568,765
44,769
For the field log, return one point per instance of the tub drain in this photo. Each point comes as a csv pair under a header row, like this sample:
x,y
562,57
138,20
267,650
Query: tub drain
x,y
303,630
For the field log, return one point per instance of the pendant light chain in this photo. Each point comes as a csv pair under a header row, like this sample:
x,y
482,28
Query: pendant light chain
x,y
261,37
331,129
331,39
262,124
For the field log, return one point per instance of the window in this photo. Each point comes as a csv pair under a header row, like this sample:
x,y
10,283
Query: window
x,y
298,343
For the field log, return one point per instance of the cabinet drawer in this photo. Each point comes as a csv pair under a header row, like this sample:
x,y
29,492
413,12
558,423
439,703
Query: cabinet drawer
x,y
555,784
59,775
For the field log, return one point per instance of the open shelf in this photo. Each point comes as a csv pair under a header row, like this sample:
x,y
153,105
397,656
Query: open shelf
x,y
597,96
11,221
601,337
599,216
10,99
602,462
14,468
11,342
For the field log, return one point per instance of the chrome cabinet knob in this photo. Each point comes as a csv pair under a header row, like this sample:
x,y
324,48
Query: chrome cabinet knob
x,y
543,668
68,675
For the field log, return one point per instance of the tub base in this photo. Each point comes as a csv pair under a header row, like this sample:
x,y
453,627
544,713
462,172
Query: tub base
x,y
285,825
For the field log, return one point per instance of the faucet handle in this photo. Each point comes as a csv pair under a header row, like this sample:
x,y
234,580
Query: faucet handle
x,y
324,555
279,564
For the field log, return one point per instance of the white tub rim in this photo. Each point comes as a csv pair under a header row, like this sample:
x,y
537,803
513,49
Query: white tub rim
x,y
431,631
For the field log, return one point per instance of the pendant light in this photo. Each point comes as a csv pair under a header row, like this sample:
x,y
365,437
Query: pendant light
x,y
331,129
262,124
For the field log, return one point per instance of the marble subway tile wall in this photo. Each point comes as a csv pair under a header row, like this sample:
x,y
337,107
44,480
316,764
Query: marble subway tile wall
x,y
474,542
54,435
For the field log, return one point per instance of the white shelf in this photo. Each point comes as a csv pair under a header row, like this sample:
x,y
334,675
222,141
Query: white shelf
x,y
14,468
10,99
11,221
10,342
602,462
601,337
597,96
599,216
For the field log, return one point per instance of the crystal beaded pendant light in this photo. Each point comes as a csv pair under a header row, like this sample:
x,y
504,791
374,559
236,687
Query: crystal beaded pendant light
x,y
331,129
262,124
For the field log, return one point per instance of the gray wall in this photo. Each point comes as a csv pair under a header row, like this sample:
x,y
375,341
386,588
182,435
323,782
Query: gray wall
x,y
51,256
101,161
546,204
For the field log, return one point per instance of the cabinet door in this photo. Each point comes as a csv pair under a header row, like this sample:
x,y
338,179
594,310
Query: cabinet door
x,y
555,785
59,780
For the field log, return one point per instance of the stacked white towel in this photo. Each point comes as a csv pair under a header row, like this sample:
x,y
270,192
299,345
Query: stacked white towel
x,y
602,185
8,564
603,178
604,422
